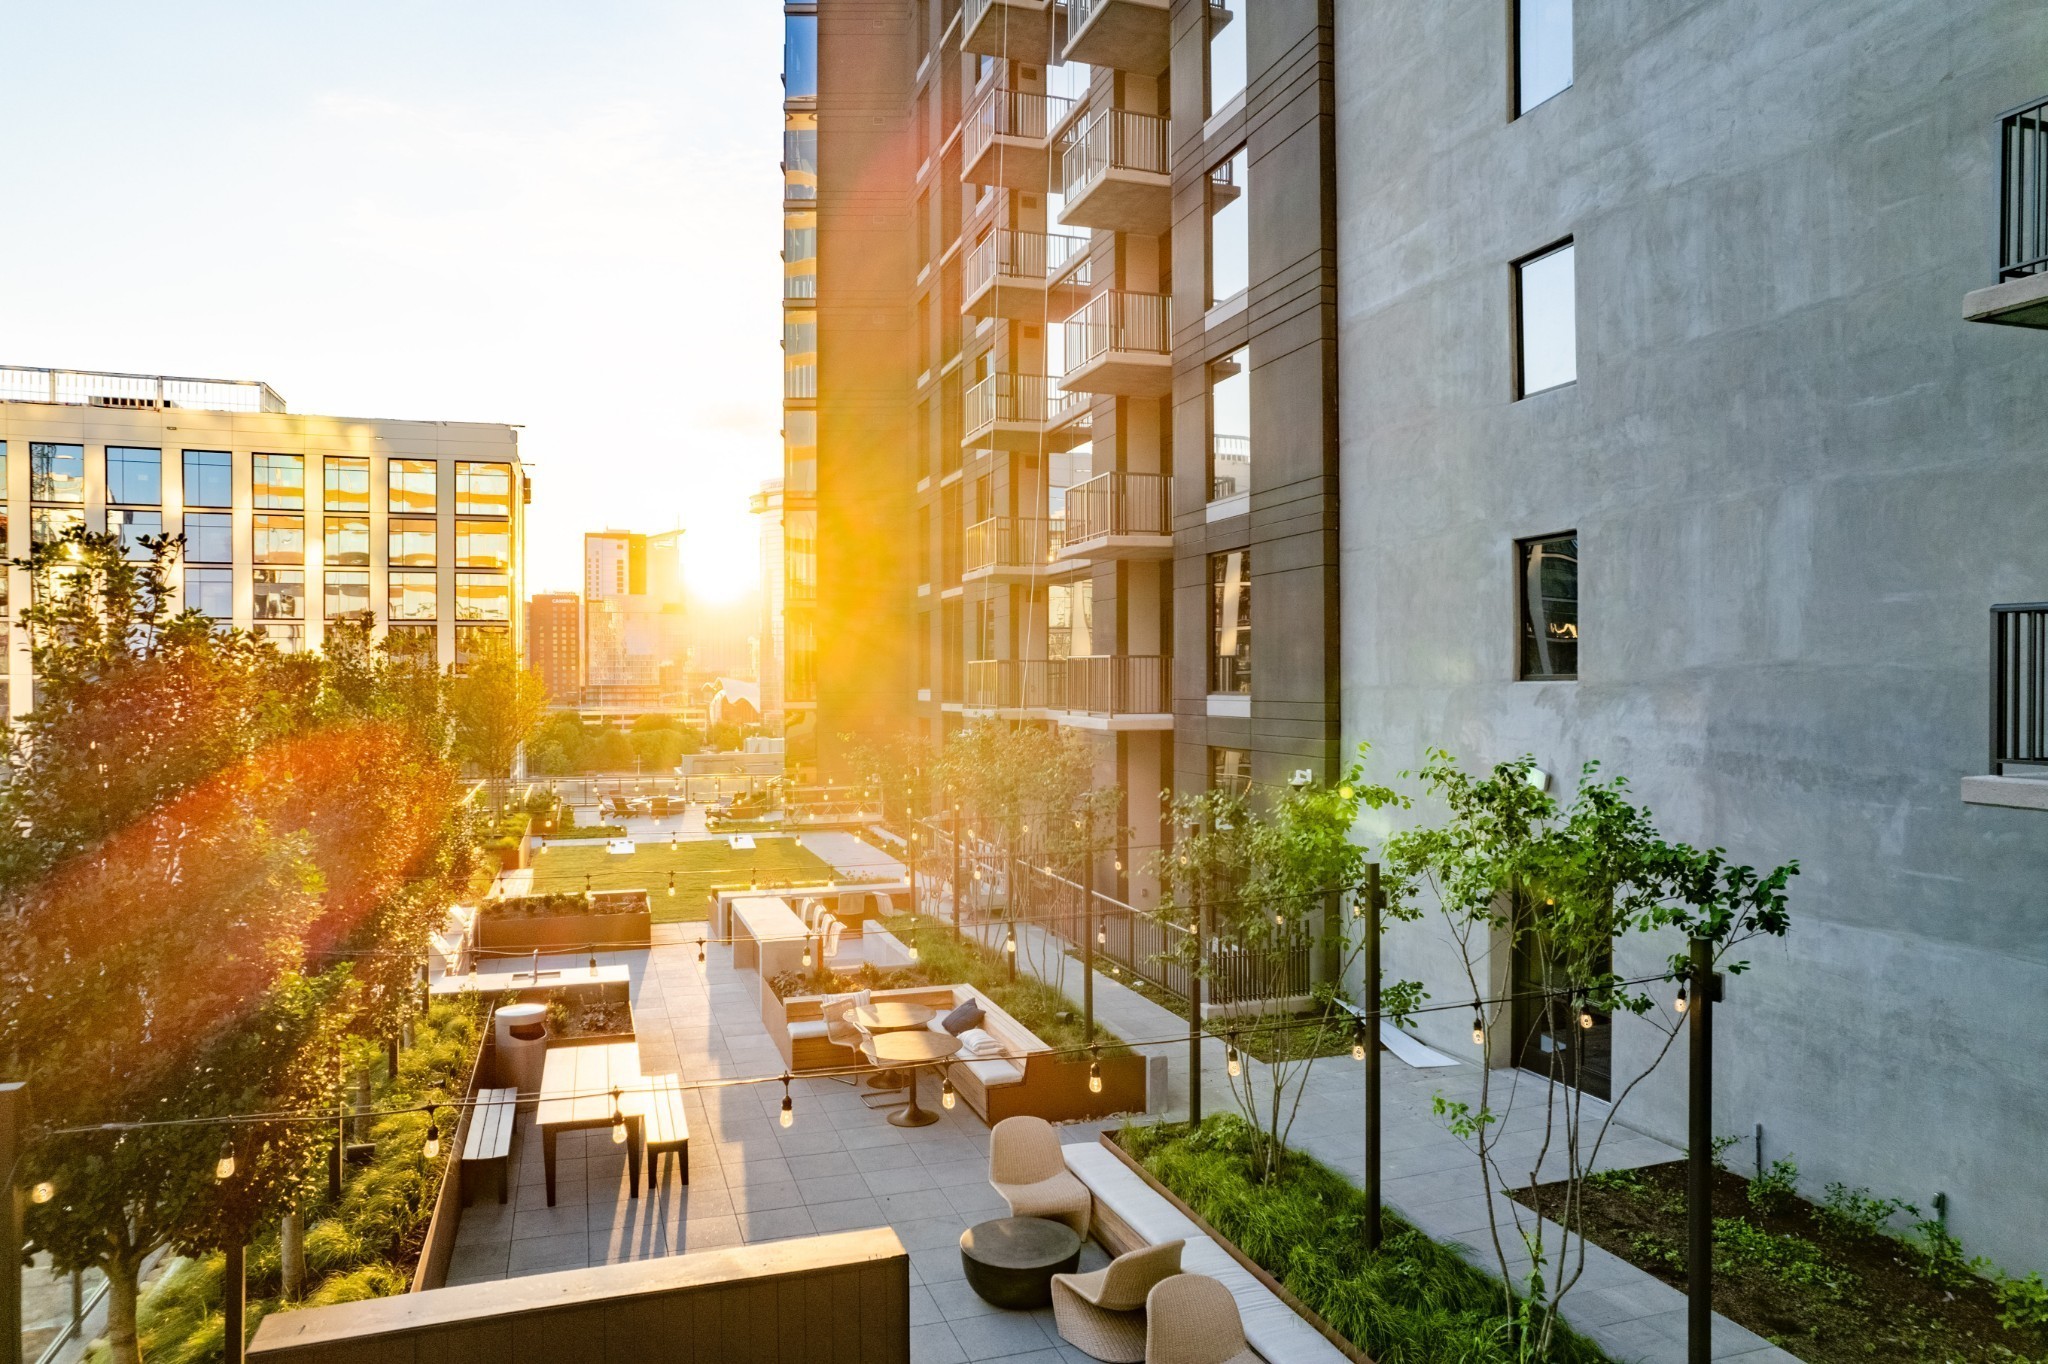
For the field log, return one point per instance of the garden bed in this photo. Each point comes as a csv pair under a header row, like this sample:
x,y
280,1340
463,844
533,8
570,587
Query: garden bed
x,y
1824,1281
580,1021
565,922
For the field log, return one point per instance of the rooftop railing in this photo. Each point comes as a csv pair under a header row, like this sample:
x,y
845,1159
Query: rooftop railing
x,y
2023,192
93,388
1112,139
1119,321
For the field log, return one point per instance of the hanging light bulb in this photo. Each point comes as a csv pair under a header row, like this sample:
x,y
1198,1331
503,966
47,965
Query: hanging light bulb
x,y
1679,1003
807,954
1235,1066
224,1168
788,1118
1119,864
1478,1026
43,1192
593,961
946,1095
618,1120
1585,1016
1358,1043
472,968
432,1149
912,949
700,950
1101,936
1345,791
1010,944
1094,1070
671,885
1279,919
543,845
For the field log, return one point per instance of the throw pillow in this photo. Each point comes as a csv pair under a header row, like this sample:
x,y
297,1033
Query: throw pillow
x,y
966,1016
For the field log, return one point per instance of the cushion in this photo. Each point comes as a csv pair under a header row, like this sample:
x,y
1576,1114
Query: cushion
x,y
966,1016
975,1042
996,1074
814,1027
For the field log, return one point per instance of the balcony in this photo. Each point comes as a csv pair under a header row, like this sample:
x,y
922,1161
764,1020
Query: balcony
x,y
1014,549
2018,773
1016,688
1129,35
1008,28
2020,298
1117,692
1023,413
1026,276
1119,516
1006,139
1114,174
1121,343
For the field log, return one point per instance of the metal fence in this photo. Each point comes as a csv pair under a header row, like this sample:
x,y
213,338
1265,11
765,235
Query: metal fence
x,y
2019,686
2023,191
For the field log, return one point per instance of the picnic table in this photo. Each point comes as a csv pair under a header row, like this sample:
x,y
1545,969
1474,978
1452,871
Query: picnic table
x,y
576,1093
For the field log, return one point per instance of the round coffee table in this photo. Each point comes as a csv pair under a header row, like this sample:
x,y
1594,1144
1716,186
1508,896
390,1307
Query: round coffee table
x,y
890,1015
1010,1261
910,1050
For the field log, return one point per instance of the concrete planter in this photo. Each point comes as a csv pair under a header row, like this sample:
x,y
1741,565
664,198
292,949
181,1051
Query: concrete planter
x,y
439,1247
612,920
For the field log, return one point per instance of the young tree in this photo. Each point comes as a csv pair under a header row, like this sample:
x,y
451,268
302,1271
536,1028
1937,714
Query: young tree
x,y
496,704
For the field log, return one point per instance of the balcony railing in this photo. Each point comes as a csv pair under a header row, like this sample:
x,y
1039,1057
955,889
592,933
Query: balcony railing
x,y
1119,321
2019,686
1011,113
1119,684
2023,192
1020,255
1014,542
1023,399
1230,466
1113,139
93,388
1118,504
1016,684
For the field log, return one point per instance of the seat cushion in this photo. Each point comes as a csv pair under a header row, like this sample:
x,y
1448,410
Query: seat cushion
x,y
810,1028
996,1074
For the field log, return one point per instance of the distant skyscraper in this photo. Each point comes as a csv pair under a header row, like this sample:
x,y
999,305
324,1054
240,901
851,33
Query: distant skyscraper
x,y
554,644
633,647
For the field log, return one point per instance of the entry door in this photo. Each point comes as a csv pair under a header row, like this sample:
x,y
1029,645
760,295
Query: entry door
x,y
1548,1035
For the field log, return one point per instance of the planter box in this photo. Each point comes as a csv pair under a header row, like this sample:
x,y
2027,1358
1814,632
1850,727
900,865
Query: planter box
x,y
439,1247
616,919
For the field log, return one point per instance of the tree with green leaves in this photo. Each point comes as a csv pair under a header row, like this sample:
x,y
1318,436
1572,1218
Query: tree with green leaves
x,y
496,704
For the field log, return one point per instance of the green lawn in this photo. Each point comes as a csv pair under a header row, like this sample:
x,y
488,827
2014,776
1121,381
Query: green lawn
x,y
699,868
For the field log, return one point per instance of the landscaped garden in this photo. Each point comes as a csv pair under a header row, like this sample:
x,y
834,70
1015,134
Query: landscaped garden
x,y
698,868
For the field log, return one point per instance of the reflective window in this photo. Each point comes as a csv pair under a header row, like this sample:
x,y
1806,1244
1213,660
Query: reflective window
x,y
278,482
1230,424
1230,621
412,596
800,255
800,450
800,355
1543,51
483,596
56,473
347,483
472,639
417,642
346,593
288,637
131,526
210,591
1547,324
483,489
412,542
347,542
1548,570
209,537
1226,53
280,594
799,56
800,156
135,476
412,485
209,479
47,524
279,539
483,544
1230,252
1230,769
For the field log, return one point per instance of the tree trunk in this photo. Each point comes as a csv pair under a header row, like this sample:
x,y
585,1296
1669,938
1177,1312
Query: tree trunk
x,y
122,1291
291,1247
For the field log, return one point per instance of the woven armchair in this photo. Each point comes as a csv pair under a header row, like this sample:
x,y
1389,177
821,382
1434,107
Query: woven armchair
x,y
1192,1319
1027,1169
1103,1314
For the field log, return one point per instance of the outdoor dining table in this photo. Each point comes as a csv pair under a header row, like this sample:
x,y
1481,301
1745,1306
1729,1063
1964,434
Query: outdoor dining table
x,y
576,1093
911,1049
886,1016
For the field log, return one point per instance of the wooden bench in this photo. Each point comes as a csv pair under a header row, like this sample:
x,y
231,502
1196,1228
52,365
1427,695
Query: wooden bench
x,y
490,1136
667,1129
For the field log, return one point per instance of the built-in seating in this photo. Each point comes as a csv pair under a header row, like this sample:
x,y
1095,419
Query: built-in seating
x,y
489,1142
666,1126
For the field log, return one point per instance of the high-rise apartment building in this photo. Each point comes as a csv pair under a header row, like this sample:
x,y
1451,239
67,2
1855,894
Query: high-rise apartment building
x,y
1089,250
634,650
554,644
290,521
766,505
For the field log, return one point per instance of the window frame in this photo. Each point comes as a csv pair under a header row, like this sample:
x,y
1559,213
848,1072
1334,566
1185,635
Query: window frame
x,y
1209,210
396,474
466,470
1518,350
394,526
1524,626
216,575
270,523
333,499
187,482
1515,109
1243,625
261,501
45,496
108,466
226,530
1239,17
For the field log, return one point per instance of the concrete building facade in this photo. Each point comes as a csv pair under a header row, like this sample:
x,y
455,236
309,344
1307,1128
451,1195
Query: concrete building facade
x,y
290,521
1665,444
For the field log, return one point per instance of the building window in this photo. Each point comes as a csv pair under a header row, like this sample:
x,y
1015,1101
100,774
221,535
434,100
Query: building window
x,y
47,525
800,56
483,489
279,539
348,483
280,594
1230,622
209,478
1230,251
131,526
1230,769
1548,583
1543,51
483,596
412,485
416,643
800,355
135,476
289,637
56,473
483,544
412,596
800,156
1546,321
1230,425
469,639
800,254
279,482
209,537
1226,54
348,541
347,594
412,543
210,592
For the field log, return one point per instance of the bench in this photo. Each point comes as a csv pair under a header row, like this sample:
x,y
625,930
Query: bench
x,y
490,1136
667,1129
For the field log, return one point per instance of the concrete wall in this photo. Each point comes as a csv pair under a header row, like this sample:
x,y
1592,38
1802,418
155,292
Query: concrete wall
x,y
1799,479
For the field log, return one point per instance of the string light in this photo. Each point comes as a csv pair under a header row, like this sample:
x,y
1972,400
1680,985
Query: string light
x,y
1585,1016
1679,1003
788,1109
224,1168
43,1192
1478,1026
1230,1058
807,954
1344,791
671,885
946,1095
1358,1043
700,950
1010,945
432,1148
593,961
1101,936
912,949
1094,1069
618,1120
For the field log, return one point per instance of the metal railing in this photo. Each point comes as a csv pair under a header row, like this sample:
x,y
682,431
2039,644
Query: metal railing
x,y
1026,398
1119,321
2023,192
1112,139
1118,504
1020,114
93,388
1016,683
1119,684
1020,255
1079,12
2019,686
1230,466
975,9
1014,542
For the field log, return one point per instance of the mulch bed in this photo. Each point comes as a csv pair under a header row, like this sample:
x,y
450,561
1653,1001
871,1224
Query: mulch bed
x,y
1827,1293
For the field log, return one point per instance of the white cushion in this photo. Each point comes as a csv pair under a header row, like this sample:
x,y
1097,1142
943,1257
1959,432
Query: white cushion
x,y
814,1027
996,1074
978,1042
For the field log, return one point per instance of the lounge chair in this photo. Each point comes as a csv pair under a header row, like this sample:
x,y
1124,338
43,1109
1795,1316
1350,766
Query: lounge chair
x,y
1103,1314
1192,1319
1027,1169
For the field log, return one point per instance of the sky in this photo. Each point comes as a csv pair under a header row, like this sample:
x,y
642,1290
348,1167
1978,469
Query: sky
x,y
562,216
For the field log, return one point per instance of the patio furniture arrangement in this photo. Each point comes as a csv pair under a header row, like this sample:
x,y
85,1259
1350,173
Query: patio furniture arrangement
x,y
576,1094
1193,1319
1103,1314
489,1142
1011,1261
668,1129
1027,1167
909,1050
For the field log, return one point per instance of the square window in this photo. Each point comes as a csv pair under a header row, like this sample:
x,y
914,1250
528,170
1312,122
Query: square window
x,y
279,482
1230,769
56,473
483,489
1546,321
1230,622
347,483
209,478
1230,425
412,485
483,596
483,544
288,636
279,539
1230,251
470,639
1547,586
209,537
46,525
1543,51
211,592
1226,54
131,526
280,594
346,593
348,542
412,596
412,542
135,476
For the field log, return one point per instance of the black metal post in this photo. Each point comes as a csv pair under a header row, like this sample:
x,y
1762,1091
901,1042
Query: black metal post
x,y
1372,1056
13,1136
1088,928
234,1293
1699,1159
1195,1014
956,873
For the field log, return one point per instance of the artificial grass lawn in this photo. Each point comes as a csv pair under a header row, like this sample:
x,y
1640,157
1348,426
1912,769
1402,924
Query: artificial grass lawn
x,y
699,868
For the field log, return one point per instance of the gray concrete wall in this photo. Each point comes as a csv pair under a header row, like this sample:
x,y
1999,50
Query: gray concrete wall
x,y
1799,480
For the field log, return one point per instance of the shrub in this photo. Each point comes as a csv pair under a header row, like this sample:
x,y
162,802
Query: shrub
x,y
1855,1210
2025,1302
1774,1189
